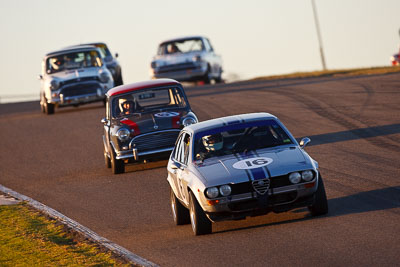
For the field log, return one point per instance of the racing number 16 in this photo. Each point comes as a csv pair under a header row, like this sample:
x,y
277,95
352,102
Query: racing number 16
x,y
256,162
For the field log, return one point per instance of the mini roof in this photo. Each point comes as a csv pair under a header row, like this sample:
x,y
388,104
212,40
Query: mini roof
x,y
141,85
72,49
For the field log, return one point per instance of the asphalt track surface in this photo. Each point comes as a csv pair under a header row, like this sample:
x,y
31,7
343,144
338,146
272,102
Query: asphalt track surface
x,y
354,124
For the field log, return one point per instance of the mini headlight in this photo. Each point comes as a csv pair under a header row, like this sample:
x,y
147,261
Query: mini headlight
x,y
225,190
54,84
212,192
104,77
153,64
189,120
123,134
295,177
307,175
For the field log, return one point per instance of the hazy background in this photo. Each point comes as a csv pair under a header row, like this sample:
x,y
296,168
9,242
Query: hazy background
x,y
254,38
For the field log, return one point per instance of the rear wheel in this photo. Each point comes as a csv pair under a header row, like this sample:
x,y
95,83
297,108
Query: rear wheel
x,y
320,206
179,212
117,165
201,225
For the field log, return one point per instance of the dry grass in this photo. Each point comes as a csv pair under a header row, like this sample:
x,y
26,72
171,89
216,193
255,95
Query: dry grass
x,y
332,73
27,238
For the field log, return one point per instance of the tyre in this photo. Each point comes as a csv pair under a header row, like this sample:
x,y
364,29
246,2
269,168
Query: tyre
x,y
107,160
118,80
48,108
207,77
117,165
179,212
201,225
42,108
320,206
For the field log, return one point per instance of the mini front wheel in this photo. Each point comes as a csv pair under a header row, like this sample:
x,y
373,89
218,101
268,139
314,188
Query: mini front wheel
x,y
117,165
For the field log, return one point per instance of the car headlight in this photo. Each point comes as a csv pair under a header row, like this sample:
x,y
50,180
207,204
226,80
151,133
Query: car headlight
x,y
225,190
188,121
295,177
104,77
123,134
307,175
212,192
196,58
54,84
153,64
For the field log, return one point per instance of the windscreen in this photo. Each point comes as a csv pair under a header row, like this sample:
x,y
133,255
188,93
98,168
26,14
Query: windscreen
x,y
181,46
75,60
148,100
239,138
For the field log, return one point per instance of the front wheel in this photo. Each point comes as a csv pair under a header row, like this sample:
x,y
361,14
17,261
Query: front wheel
x,y
117,165
107,160
320,206
179,212
49,108
201,225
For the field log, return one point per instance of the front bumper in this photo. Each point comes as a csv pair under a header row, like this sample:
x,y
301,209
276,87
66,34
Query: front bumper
x,y
130,154
181,73
252,204
79,93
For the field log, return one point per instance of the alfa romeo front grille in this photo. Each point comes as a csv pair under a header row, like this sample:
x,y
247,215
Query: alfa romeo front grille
x,y
261,186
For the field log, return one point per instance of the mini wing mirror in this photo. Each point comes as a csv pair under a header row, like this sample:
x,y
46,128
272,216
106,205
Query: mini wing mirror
x,y
104,121
40,77
116,54
304,142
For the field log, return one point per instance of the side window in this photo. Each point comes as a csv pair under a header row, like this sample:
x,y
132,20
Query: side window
x,y
177,148
107,110
186,144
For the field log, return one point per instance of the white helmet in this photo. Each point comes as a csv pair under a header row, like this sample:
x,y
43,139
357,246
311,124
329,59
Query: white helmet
x,y
213,142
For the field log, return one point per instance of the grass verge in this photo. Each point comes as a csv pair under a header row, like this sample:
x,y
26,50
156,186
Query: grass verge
x,y
28,238
333,73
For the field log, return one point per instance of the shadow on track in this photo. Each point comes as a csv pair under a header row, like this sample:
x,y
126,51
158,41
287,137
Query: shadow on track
x,y
145,166
354,134
369,201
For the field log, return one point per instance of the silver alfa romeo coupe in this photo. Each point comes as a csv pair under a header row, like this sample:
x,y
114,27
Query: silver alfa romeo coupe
x,y
245,165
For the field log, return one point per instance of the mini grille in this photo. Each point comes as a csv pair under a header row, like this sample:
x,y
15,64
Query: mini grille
x,y
80,89
156,140
261,186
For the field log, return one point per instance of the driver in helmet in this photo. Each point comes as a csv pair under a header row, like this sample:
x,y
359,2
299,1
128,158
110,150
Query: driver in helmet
x,y
213,145
213,142
127,107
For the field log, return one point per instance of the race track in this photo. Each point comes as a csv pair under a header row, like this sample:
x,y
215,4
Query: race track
x,y
354,125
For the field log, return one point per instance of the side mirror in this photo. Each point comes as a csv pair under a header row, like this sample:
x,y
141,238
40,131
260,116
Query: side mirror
x,y
116,54
40,77
176,165
104,121
304,142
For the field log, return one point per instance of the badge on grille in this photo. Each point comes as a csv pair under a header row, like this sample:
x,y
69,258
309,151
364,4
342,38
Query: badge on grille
x,y
261,186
